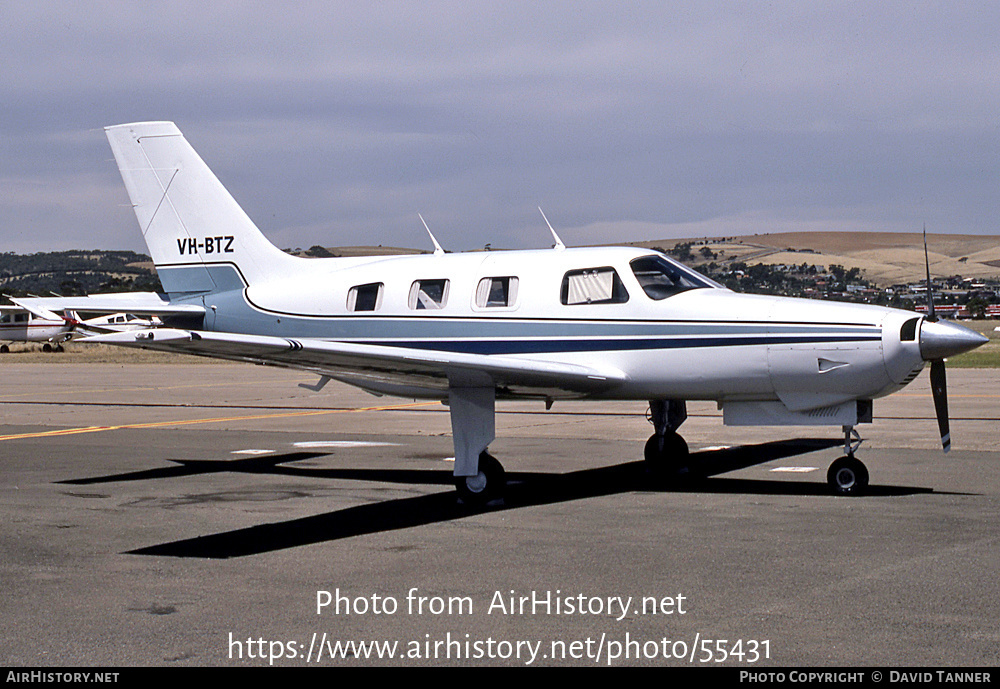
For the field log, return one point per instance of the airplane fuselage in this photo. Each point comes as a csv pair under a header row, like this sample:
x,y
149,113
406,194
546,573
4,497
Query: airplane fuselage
x,y
701,343
15,327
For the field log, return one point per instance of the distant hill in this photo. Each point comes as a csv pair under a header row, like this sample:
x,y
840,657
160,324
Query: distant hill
x,y
884,258
77,272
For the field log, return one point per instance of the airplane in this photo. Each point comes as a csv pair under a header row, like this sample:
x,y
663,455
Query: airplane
x,y
607,323
118,322
20,323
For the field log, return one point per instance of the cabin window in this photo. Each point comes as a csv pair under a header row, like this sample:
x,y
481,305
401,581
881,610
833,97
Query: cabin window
x,y
365,297
593,286
661,278
429,294
5,318
21,318
494,292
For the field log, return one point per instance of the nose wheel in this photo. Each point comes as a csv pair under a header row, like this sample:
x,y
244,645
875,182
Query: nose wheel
x,y
848,475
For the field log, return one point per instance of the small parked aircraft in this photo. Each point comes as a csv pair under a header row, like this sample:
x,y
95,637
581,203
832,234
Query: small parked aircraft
x,y
20,325
37,324
613,323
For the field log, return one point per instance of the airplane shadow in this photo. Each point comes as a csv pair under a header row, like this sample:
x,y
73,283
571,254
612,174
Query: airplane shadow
x,y
269,464
524,489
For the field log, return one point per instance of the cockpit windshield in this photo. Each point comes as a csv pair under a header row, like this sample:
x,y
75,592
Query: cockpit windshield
x,y
661,277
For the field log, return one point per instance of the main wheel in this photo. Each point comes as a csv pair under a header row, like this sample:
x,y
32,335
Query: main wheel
x,y
666,455
488,484
847,476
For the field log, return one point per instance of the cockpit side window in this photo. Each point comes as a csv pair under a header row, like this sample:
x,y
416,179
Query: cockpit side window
x,y
661,278
593,286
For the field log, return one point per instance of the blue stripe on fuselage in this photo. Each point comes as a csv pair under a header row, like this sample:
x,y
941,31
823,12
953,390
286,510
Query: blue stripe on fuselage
x,y
607,345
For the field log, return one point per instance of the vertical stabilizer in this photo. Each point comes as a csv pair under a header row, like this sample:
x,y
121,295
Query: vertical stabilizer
x,y
196,232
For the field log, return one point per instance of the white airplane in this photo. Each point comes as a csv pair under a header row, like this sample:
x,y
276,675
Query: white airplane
x,y
19,323
118,322
470,328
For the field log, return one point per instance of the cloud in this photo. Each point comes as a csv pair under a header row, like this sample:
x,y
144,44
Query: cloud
x,y
335,123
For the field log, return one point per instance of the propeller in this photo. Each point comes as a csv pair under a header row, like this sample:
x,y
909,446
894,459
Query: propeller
x,y
939,340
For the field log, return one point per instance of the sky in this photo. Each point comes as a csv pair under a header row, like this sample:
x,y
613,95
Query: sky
x,y
336,123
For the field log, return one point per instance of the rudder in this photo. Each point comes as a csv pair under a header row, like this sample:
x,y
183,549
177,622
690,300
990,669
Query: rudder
x,y
190,222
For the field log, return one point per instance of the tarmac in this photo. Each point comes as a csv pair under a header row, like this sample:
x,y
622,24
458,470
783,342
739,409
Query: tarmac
x,y
221,515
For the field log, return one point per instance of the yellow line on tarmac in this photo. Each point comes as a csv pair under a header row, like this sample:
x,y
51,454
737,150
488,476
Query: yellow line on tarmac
x,y
150,387
188,422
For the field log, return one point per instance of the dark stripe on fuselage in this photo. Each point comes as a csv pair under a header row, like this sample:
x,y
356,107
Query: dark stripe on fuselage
x,y
607,345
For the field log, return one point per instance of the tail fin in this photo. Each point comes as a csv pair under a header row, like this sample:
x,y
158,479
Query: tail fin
x,y
199,237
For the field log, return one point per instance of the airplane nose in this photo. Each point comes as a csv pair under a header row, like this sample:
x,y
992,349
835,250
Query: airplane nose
x,y
940,339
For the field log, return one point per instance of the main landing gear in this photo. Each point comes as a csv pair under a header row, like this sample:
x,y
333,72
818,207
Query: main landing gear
x,y
666,453
479,477
488,484
848,475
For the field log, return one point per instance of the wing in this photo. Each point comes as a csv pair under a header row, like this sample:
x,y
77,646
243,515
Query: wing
x,y
381,368
146,303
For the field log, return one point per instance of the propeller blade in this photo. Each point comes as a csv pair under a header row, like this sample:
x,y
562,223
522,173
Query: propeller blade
x,y
931,316
939,389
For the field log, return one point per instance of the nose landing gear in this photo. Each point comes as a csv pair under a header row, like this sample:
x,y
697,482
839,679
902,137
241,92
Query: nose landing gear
x,y
848,475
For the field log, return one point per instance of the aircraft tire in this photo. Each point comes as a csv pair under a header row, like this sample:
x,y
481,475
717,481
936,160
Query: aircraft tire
x,y
487,485
847,476
46,347
669,460
4,349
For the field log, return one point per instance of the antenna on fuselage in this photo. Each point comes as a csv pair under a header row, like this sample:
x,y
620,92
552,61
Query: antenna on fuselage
x,y
438,251
559,243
